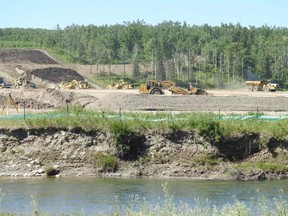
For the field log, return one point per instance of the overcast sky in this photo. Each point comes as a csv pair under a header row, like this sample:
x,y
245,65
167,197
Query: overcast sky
x,y
48,13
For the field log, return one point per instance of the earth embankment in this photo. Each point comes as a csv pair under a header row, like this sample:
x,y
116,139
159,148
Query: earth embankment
x,y
164,153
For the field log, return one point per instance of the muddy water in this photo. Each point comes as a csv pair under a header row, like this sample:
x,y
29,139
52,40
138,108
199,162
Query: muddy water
x,y
105,195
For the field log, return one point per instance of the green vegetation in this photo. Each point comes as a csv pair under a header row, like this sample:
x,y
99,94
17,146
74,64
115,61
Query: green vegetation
x,y
124,125
105,162
122,133
206,160
217,56
265,166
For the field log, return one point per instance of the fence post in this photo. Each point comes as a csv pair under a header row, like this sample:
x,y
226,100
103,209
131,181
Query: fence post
x,y
24,111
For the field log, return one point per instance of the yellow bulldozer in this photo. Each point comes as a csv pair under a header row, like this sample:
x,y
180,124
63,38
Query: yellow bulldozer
x,y
121,84
83,84
154,87
23,82
74,84
190,91
262,85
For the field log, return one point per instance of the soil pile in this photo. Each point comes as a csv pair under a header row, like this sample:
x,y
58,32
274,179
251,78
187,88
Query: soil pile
x,y
17,56
48,99
57,75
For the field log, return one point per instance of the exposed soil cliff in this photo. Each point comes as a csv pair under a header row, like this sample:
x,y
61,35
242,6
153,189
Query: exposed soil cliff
x,y
154,153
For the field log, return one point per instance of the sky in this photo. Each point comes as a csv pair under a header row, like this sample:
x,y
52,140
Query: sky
x,y
48,14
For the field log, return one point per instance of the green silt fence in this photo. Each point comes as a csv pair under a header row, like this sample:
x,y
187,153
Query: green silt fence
x,y
126,117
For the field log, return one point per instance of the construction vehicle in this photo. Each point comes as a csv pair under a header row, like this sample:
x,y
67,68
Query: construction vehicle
x,y
121,84
22,82
154,87
5,85
262,85
74,84
190,91
83,84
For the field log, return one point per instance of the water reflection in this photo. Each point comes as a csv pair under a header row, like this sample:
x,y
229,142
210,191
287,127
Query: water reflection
x,y
97,195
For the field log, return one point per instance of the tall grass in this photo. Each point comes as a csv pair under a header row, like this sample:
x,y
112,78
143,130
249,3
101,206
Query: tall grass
x,y
207,124
197,207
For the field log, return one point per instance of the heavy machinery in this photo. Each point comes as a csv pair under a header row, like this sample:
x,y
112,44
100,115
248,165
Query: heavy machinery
x,y
190,91
83,84
5,85
262,85
22,82
74,84
121,84
154,87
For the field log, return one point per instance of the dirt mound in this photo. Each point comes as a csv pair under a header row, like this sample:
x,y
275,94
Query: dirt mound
x,y
32,104
57,75
17,56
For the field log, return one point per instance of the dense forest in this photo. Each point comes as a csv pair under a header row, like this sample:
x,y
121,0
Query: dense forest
x,y
216,56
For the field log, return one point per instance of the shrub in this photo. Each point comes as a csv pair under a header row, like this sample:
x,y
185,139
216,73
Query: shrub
x,y
122,135
211,130
107,163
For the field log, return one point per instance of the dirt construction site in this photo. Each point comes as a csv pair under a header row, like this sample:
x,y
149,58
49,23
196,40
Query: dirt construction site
x,y
46,72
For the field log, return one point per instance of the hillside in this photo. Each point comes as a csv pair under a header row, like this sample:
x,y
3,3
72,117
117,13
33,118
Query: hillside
x,y
33,64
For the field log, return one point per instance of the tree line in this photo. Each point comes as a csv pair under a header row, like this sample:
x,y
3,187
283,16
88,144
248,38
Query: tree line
x,y
210,55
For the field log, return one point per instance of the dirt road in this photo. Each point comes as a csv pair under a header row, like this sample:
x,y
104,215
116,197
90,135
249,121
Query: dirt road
x,y
226,101
100,93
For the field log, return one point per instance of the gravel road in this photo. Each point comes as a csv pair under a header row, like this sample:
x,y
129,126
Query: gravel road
x,y
130,100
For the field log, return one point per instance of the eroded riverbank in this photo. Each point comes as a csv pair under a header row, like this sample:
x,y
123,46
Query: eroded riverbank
x,y
151,153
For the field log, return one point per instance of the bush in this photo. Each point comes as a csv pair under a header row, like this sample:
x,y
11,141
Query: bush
x,y
122,135
107,163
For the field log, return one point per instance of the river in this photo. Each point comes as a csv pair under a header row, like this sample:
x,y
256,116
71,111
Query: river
x,y
104,195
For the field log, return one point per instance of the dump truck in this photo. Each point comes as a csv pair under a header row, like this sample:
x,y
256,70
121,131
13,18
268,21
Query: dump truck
x,y
262,85
190,91
155,87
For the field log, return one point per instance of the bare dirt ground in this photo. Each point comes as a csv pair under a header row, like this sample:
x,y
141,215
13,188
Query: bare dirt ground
x,y
46,72
36,100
